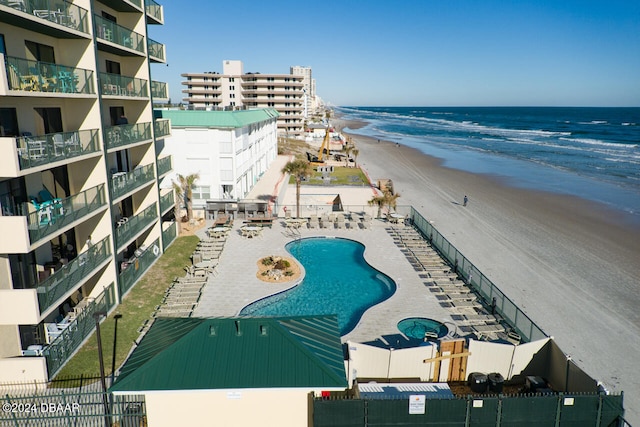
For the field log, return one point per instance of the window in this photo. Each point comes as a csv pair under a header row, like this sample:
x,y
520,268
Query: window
x,y
8,122
113,67
39,52
50,120
109,17
201,192
232,88
231,79
233,95
271,87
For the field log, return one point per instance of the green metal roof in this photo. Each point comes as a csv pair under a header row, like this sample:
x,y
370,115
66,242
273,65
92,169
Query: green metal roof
x,y
245,352
216,119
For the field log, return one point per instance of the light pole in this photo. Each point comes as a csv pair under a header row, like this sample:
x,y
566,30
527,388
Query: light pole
x,y
115,337
97,315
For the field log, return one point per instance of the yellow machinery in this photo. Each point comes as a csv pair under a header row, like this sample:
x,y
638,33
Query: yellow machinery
x,y
318,160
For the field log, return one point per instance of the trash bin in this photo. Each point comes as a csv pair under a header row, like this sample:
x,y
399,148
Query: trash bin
x,y
477,381
496,382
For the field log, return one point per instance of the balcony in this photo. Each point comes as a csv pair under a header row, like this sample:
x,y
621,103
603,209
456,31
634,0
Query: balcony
x,y
159,91
164,166
169,235
122,41
42,150
52,216
64,346
55,287
44,77
123,86
135,268
162,127
156,51
125,182
154,12
38,15
134,225
122,135
167,202
124,5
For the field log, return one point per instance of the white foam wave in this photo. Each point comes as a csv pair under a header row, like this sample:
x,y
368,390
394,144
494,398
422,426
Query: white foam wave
x,y
599,142
595,122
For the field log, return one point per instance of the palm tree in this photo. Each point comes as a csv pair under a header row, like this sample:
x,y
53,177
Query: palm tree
x,y
184,192
348,149
299,169
355,153
387,199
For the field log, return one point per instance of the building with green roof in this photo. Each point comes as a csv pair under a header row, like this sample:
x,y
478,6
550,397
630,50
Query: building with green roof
x,y
241,371
229,150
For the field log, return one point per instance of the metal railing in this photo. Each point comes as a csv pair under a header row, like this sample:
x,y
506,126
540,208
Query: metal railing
x,y
156,49
164,165
59,12
153,9
169,235
135,224
162,127
112,32
38,76
136,268
167,202
117,85
121,135
506,308
58,213
122,184
64,346
41,150
159,90
69,276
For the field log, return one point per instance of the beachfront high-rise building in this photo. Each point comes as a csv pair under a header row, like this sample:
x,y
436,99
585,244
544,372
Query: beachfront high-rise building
x,y
82,215
309,88
235,89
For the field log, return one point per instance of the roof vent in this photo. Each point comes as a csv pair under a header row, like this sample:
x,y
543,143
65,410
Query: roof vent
x,y
212,330
238,330
263,330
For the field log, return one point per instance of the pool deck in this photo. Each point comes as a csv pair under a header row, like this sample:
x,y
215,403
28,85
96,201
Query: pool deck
x,y
235,285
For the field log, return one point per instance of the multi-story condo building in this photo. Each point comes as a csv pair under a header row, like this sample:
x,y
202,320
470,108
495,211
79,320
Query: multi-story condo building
x,y
229,150
235,89
309,88
80,158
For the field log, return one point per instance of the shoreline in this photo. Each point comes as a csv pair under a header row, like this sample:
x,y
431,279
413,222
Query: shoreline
x,y
569,263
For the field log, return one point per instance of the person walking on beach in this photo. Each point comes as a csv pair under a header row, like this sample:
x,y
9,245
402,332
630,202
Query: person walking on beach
x,y
465,200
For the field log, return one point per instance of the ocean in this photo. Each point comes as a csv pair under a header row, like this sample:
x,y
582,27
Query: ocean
x,y
592,153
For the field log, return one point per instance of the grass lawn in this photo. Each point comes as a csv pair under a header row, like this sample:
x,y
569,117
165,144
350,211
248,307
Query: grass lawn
x,y
341,175
136,307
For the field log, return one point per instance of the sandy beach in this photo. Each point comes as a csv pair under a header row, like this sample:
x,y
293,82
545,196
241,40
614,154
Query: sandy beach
x,y
571,265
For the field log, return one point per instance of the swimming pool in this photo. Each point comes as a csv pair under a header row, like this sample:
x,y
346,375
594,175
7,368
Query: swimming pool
x,y
338,281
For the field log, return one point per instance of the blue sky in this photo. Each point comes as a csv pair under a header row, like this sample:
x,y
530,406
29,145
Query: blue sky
x,y
418,52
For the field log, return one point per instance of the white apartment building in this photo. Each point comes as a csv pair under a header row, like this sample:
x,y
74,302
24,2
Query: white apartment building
x,y
309,83
235,89
229,150
82,216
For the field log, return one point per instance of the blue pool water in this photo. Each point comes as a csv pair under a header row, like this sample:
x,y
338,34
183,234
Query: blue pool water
x,y
338,281
417,327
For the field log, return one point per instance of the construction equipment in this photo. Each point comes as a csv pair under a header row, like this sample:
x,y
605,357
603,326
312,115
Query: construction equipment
x,y
324,149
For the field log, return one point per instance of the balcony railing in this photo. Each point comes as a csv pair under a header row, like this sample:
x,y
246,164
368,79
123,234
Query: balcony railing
x,y
159,90
162,127
136,224
124,182
118,136
44,149
114,33
37,76
166,202
169,235
55,214
135,268
154,10
117,85
62,281
57,11
156,49
64,346
164,165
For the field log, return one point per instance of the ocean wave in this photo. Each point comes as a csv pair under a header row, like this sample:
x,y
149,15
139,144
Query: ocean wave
x,y
594,122
629,124
599,142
